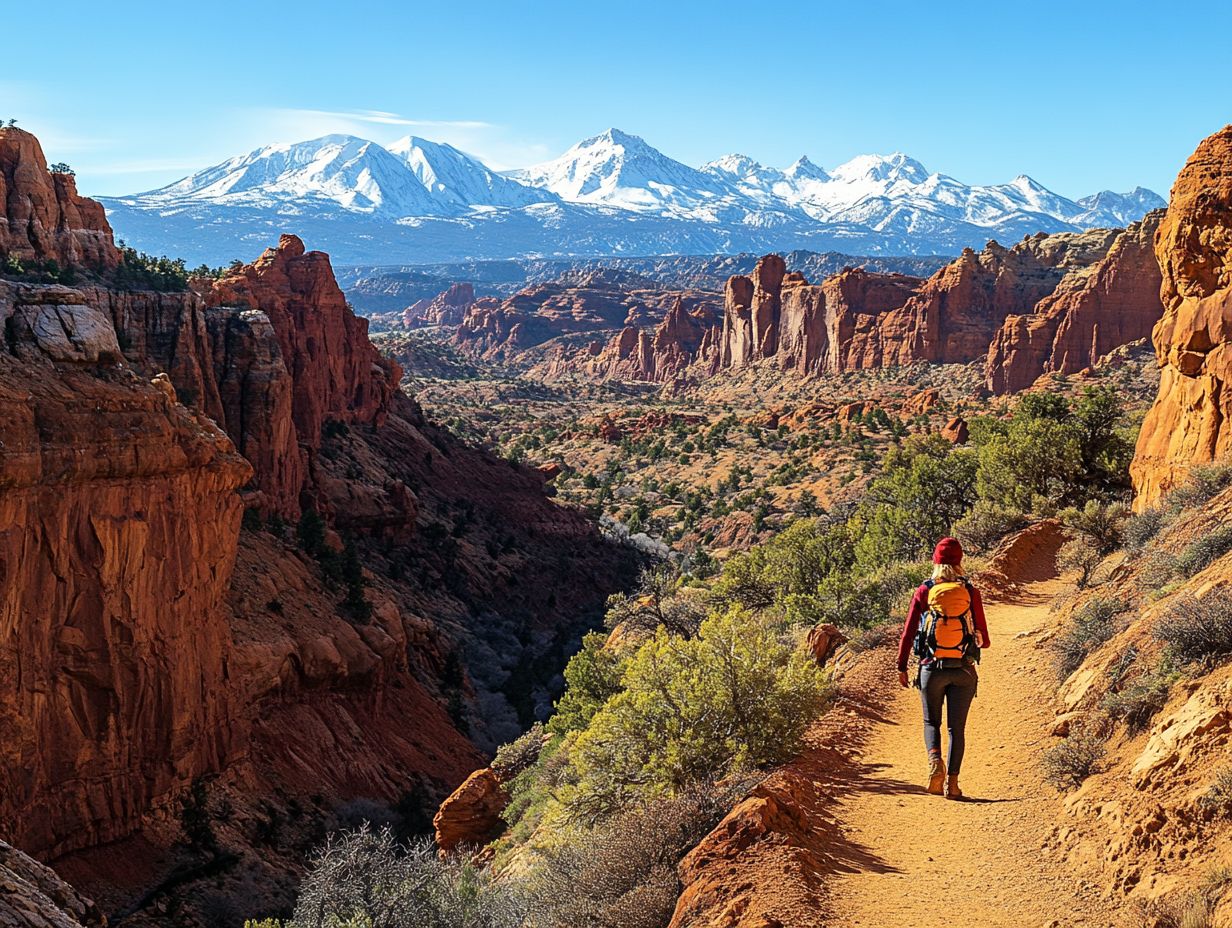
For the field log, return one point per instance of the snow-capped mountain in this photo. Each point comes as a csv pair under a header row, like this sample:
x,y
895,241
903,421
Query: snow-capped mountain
x,y
1116,209
620,170
463,180
419,200
335,170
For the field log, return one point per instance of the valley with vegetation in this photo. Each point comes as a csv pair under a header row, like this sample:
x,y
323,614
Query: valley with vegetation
x,y
532,548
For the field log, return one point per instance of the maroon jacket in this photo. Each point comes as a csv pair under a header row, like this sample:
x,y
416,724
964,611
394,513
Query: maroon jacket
x,y
919,605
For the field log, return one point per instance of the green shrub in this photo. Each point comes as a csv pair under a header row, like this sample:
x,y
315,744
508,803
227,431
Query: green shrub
x,y
1198,630
1074,758
1097,524
592,677
1204,482
1091,625
1205,551
1156,569
734,697
986,524
520,754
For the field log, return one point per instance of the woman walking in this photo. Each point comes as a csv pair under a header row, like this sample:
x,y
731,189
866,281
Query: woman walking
x,y
945,629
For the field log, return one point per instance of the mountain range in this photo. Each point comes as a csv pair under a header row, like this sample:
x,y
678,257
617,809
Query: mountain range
x,y
613,194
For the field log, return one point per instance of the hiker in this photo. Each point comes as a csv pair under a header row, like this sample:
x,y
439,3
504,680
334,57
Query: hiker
x,y
945,629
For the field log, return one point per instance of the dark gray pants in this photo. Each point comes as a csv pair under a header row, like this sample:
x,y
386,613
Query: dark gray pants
x,y
956,688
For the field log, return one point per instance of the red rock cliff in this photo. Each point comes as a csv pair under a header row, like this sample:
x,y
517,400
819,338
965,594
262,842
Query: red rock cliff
x,y
118,525
42,218
1191,420
1095,309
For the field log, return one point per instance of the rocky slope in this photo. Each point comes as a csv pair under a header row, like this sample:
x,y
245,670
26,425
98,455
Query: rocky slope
x,y
1190,422
32,896
151,644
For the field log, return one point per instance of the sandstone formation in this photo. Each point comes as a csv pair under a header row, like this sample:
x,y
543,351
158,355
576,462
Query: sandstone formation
x,y
1191,420
1094,310
446,308
471,816
955,431
42,218
120,516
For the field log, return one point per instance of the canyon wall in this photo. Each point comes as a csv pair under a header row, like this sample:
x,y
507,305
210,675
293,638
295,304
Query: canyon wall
x,y
120,517
1190,420
1051,303
1095,309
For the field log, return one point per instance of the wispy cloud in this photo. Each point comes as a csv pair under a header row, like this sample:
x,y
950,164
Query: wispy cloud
x,y
379,117
494,144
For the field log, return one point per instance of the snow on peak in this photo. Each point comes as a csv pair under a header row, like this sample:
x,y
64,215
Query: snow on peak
x,y
454,177
734,164
804,169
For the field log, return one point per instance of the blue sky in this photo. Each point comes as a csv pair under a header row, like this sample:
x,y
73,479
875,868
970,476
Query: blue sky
x,y
1081,96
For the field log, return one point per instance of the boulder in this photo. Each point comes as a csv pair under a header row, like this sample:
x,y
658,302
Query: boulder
x,y
471,815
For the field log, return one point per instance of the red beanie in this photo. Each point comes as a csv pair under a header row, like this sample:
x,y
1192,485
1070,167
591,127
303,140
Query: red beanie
x,y
948,551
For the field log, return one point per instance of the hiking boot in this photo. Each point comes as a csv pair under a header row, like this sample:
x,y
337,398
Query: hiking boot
x,y
951,788
936,776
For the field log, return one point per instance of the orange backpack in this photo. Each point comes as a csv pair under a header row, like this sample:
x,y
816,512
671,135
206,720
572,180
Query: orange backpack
x,y
947,629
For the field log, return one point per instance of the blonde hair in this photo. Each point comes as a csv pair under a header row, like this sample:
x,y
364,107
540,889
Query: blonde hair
x,y
945,573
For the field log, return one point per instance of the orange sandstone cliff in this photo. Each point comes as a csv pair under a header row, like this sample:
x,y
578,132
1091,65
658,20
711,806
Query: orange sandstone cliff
x,y
1190,421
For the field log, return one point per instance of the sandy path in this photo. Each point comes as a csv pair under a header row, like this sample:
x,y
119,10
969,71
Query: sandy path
x,y
926,861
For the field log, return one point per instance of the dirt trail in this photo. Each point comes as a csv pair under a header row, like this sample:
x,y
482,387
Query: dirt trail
x,y
925,861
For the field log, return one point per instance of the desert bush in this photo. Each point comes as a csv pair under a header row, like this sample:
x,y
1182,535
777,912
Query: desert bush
x,y
1074,758
622,874
365,877
879,636
1136,703
520,754
1217,800
1205,551
656,601
1193,908
1091,625
1156,569
1079,555
1097,524
1141,528
1204,482
734,697
986,524
1198,630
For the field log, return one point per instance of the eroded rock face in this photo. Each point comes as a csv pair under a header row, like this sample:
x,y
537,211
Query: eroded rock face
x,y
42,217
447,308
1094,310
335,371
119,519
1191,421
